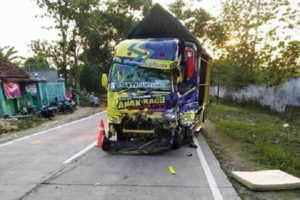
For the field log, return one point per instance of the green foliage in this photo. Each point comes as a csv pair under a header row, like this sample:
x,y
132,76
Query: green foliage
x,y
177,8
284,66
8,53
260,136
201,24
246,37
29,122
245,33
104,27
82,97
36,62
74,73
257,32
88,31
21,124
64,52
231,74
90,78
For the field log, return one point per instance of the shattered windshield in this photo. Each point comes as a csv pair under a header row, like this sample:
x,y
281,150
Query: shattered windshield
x,y
124,77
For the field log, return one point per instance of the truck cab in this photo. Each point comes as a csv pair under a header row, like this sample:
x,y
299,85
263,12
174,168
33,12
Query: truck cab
x,y
157,91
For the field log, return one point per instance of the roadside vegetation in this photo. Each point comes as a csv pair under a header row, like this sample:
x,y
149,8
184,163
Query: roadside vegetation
x,y
11,129
7,126
255,138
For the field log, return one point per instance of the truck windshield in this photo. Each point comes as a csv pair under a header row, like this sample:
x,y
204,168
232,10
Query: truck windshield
x,y
123,77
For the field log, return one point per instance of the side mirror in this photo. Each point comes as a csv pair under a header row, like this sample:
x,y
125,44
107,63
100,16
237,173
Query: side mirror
x,y
104,80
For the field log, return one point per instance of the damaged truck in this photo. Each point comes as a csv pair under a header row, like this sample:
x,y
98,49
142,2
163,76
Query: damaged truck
x,y
157,86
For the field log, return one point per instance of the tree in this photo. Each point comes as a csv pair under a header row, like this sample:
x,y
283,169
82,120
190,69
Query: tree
x,y
90,78
105,26
283,66
227,73
36,62
9,53
253,39
88,31
75,73
200,23
101,29
257,32
63,52
258,45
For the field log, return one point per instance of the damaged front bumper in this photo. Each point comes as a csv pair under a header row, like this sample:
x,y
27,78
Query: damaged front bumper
x,y
154,146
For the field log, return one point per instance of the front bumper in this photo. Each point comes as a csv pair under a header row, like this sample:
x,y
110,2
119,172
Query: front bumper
x,y
137,147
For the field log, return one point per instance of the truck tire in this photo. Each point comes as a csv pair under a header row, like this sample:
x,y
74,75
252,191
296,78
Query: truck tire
x,y
204,116
177,138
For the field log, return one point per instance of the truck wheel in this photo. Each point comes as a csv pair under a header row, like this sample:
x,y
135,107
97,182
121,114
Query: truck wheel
x,y
203,116
177,138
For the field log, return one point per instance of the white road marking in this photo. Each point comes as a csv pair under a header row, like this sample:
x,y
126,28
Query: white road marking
x,y
80,153
210,178
48,130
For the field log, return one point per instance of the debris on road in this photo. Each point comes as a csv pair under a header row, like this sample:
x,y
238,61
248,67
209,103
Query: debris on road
x,y
171,170
189,154
267,180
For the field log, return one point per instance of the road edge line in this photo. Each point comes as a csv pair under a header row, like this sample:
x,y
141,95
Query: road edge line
x,y
48,130
209,176
80,153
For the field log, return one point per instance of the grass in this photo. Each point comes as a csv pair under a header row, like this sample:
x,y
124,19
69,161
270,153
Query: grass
x,y
249,137
19,125
29,122
261,135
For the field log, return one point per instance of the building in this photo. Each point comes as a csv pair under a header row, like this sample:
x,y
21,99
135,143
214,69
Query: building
x,y
20,92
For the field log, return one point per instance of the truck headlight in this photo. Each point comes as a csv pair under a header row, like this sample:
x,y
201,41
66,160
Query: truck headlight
x,y
170,115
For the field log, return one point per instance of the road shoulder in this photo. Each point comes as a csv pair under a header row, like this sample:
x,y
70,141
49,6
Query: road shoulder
x,y
222,182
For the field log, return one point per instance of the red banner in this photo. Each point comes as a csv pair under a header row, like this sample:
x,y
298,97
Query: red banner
x,y
12,90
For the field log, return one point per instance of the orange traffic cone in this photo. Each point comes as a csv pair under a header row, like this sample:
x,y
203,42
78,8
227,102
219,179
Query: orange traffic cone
x,y
101,134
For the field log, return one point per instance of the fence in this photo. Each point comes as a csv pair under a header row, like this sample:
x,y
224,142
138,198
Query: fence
x,y
278,98
55,90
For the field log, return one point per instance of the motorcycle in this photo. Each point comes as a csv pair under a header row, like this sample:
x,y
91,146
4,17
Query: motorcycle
x,y
46,112
67,106
64,106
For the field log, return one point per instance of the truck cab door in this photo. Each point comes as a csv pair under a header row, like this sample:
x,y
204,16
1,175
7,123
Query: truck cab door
x,y
187,90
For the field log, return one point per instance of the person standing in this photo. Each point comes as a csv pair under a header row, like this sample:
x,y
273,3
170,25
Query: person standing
x,y
96,101
91,99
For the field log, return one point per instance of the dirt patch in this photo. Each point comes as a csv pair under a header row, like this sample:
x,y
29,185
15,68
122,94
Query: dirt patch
x,y
225,150
81,112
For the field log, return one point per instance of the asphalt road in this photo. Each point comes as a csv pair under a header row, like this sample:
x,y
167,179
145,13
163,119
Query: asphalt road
x,y
62,163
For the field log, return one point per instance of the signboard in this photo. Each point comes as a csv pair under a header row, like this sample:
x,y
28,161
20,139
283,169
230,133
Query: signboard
x,y
31,89
140,103
12,90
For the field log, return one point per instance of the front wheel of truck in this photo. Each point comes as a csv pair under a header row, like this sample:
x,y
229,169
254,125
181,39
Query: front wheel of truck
x,y
177,138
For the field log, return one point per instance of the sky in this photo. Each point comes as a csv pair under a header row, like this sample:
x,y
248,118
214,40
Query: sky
x,y
19,25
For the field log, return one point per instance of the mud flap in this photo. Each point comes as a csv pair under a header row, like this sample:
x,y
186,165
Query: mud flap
x,y
137,147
